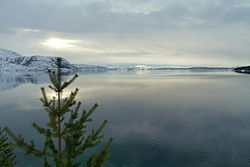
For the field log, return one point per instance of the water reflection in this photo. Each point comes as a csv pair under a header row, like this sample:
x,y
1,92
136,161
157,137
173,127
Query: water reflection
x,y
10,80
160,119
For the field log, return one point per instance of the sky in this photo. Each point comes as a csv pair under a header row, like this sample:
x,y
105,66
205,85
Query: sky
x,y
177,32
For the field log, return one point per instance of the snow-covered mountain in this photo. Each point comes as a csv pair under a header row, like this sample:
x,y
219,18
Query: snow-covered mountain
x,y
13,62
140,67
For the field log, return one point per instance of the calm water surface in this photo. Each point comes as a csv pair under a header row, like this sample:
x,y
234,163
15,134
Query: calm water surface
x,y
167,119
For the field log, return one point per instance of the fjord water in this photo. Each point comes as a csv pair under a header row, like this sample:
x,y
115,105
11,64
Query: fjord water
x,y
165,119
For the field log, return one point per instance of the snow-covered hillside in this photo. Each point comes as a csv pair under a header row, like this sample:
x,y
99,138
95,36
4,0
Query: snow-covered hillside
x,y
13,62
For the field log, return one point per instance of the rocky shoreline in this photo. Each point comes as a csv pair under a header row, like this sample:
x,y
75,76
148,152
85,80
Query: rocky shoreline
x,y
243,69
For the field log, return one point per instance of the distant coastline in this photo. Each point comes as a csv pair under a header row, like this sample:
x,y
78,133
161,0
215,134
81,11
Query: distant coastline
x,y
11,61
243,69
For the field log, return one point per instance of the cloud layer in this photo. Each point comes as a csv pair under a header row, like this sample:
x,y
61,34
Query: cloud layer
x,y
194,32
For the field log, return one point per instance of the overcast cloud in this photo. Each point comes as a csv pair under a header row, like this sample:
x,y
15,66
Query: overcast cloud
x,y
189,32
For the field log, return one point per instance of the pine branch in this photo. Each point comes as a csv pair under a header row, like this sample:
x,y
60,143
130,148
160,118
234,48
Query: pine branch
x,y
7,155
67,83
97,160
29,148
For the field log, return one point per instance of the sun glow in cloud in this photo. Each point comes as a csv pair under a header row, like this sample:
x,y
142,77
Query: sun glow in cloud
x,y
30,30
59,43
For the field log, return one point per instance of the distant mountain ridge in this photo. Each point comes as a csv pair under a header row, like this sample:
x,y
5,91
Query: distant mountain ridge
x,y
146,67
13,62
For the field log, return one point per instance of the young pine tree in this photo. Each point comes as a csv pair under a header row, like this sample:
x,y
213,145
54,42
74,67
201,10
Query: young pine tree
x,y
65,135
7,155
